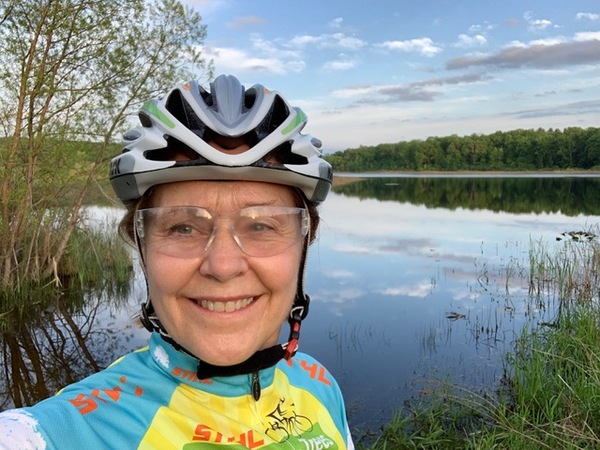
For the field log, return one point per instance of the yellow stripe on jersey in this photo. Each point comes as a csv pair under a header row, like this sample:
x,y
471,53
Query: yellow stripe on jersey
x,y
285,414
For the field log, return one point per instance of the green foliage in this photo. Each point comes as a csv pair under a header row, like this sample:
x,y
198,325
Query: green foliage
x,y
444,420
571,148
70,73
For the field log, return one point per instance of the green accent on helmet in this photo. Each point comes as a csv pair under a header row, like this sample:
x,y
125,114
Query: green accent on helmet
x,y
151,107
300,117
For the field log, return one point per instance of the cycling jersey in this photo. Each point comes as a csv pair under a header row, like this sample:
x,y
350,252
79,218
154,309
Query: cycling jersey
x,y
152,399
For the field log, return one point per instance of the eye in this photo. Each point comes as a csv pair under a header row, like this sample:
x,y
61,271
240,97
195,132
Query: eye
x,y
263,226
184,227
258,227
181,229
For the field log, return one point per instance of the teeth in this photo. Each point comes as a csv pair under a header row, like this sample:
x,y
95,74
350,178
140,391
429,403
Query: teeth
x,y
226,306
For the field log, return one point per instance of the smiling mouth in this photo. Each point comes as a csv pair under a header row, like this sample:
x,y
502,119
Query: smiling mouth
x,y
229,306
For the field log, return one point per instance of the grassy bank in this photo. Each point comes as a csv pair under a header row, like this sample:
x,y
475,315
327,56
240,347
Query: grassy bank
x,y
549,397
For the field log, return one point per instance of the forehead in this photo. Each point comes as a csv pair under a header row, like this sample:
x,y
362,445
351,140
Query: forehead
x,y
223,195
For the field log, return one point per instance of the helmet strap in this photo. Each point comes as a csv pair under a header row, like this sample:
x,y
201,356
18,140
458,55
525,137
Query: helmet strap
x,y
297,314
301,301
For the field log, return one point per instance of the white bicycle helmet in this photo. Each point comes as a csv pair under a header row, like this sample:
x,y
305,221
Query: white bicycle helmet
x,y
188,117
185,122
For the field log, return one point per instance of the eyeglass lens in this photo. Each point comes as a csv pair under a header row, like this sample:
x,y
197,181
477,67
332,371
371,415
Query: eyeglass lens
x,y
188,232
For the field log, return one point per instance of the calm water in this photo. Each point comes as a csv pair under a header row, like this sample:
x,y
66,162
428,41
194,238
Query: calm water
x,y
412,280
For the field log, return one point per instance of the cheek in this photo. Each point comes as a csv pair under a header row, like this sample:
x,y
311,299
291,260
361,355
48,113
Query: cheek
x,y
281,275
165,275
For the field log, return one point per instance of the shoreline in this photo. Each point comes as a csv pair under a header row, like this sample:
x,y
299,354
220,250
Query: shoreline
x,y
351,177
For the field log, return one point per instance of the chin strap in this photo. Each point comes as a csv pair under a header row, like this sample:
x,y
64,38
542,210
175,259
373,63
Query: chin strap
x,y
262,359
297,314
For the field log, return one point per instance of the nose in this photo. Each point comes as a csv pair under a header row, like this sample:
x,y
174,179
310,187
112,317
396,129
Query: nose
x,y
223,259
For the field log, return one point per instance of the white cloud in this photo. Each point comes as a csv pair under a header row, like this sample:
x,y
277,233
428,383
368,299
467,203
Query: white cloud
x,y
587,36
334,40
481,28
588,16
548,41
354,92
269,48
336,23
515,44
424,46
235,60
338,65
466,41
537,24
301,41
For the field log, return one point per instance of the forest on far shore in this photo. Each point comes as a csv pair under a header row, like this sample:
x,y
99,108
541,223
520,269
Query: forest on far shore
x,y
553,149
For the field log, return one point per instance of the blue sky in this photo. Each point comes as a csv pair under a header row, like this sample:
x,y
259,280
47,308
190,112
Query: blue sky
x,y
370,72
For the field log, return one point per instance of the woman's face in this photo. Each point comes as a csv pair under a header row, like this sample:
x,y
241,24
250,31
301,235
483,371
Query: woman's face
x,y
223,305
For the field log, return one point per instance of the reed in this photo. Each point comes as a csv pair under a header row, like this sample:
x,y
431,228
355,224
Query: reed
x,y
549,396
568,272
95,263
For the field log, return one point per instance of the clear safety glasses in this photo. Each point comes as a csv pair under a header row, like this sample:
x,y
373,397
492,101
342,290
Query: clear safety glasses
x,y
189,231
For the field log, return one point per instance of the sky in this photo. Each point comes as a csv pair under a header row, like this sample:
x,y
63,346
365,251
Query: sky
x,y
383,71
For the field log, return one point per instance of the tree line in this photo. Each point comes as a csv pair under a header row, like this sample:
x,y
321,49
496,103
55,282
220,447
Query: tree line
x,y
573,148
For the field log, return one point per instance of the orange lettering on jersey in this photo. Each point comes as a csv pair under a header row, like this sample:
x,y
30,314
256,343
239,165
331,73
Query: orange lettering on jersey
x,y
323,376
247,440
113,394
86,403
316,372
189,375
204,433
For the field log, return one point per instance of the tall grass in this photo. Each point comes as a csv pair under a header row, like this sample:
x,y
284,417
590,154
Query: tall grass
x,y
569,272
95,263
549,397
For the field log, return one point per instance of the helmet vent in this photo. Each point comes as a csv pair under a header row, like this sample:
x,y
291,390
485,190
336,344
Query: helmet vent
x,y
250,98
184,113
174,151
283,155
206,96
275,117
145,119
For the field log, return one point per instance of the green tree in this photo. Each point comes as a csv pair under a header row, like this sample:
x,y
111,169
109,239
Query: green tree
x,y
592,148
71,71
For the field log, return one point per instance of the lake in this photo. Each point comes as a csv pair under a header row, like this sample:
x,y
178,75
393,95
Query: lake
x,y
414,280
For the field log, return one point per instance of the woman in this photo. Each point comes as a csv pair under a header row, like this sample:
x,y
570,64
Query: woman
x,y
221,189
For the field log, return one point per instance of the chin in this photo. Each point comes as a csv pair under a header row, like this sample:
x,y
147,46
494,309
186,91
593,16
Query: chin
x,y
224,358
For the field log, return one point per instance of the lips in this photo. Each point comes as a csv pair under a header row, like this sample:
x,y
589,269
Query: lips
x,y
225,306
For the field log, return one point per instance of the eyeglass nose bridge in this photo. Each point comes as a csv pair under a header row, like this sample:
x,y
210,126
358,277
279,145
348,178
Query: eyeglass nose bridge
x,y
230,229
